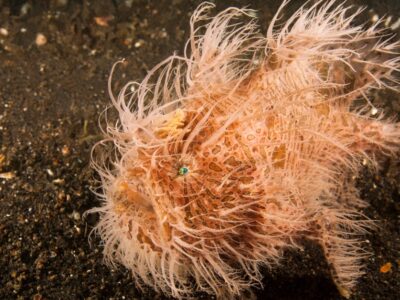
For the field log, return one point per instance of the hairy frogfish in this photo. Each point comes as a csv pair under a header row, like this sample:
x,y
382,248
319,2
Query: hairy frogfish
x,y
225,156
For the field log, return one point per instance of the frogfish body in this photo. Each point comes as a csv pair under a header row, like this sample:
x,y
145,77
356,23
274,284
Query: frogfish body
x,y
231,153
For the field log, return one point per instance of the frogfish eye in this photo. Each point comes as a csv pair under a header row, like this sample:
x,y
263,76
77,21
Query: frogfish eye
x,y
183,170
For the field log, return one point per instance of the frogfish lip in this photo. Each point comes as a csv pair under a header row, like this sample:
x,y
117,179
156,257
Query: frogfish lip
x,y
136,196
158,229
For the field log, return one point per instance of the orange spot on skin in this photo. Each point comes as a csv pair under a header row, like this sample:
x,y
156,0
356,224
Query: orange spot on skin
x,y
144,239
386,268
167,231
232,161
323,109
270,122
278,156
135,172
213,166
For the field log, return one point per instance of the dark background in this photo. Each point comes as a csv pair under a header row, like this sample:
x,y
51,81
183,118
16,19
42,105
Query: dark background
x,y
51,96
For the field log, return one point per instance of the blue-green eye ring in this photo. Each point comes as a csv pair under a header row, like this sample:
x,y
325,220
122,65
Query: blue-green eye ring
x,y
183,171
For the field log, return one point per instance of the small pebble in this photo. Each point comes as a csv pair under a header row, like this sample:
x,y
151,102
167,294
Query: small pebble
x,y
103,21
65,150
386,268
59,181
76,215
374,18
40,39
128,3
138,44
387,21
3,32
7,175
62,2
395,25
25,8
77,229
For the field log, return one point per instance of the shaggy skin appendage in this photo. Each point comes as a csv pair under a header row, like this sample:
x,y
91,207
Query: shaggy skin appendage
x,y
226,156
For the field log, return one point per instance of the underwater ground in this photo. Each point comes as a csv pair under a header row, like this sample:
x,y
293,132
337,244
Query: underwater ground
x,y
55,58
